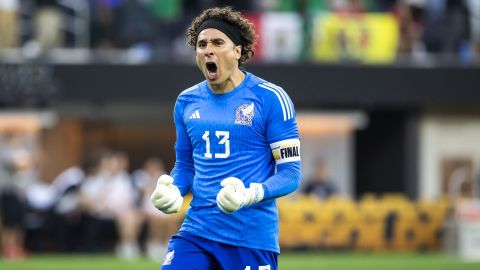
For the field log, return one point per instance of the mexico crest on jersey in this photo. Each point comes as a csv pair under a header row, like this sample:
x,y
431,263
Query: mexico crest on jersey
x,y
244,114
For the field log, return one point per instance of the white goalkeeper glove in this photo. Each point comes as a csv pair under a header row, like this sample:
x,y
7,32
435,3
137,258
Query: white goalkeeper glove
x,y
234,195
166,197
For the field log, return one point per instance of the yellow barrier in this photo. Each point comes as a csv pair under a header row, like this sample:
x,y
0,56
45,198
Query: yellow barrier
x,y
391,222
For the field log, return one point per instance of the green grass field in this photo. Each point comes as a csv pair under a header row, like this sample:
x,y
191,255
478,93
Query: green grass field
x,y
287,261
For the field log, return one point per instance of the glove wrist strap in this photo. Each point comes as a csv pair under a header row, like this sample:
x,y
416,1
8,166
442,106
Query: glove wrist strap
x,y
255,193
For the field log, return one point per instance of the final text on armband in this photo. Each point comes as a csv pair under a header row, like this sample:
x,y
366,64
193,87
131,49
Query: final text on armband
x,y
291,151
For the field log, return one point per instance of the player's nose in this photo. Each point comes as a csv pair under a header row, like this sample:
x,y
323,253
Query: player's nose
x,y
209,49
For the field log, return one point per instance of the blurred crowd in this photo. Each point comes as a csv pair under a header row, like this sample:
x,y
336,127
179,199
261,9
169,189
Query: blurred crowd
x,y
153,30
97,206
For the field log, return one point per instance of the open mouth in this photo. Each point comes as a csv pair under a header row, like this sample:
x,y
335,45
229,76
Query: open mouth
x,y
211,71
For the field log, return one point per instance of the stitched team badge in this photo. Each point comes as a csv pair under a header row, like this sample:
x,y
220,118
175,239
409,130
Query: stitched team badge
x,y
244,114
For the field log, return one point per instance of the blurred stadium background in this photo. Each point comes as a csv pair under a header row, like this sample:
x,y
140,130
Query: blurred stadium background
x,y
387,94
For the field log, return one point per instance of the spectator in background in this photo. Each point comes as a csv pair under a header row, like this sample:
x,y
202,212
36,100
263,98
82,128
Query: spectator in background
x,y
320,184
133,24
92,203
123,198
168,23
107,197
67,209
16,174
409,16
9,24
101,23
38,224
48,25
447,27
474,8
69,178
160,226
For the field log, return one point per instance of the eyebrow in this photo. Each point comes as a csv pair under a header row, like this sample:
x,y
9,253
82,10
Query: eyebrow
x,y
212,40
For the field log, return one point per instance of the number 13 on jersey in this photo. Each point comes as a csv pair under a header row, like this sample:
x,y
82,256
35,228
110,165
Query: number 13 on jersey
x,y
223,136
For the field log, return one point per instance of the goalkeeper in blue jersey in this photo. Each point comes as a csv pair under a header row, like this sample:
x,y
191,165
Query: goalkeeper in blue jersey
x,y
237,150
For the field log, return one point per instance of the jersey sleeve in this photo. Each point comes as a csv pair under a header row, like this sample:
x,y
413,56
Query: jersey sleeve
x,y
283,137
282,130
183,170
281,123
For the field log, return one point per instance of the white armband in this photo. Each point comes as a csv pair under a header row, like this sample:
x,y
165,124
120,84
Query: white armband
x,y
286,151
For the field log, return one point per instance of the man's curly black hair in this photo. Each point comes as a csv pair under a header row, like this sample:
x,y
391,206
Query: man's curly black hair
x,y
247,29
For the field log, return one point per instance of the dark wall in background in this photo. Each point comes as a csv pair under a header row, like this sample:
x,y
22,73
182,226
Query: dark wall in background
x,y
309,85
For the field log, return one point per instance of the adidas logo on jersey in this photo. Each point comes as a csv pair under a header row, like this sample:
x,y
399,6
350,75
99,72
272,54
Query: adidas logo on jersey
x,y
195,115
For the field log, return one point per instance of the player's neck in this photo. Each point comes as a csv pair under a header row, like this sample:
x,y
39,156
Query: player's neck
x,y
229,84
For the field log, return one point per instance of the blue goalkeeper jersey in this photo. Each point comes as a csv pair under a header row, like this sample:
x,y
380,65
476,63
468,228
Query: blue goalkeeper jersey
x,y
248,133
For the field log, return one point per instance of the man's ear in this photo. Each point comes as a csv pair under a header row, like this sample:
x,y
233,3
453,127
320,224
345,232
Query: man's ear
x,y
238,52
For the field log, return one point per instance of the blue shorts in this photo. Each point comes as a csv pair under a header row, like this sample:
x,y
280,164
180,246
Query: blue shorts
x,y
188,251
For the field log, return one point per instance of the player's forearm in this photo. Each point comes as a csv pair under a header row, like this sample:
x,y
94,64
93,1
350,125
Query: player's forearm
x,y
183,171
285,181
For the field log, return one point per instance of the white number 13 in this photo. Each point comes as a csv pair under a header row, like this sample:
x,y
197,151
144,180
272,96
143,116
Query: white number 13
x,y
225,136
